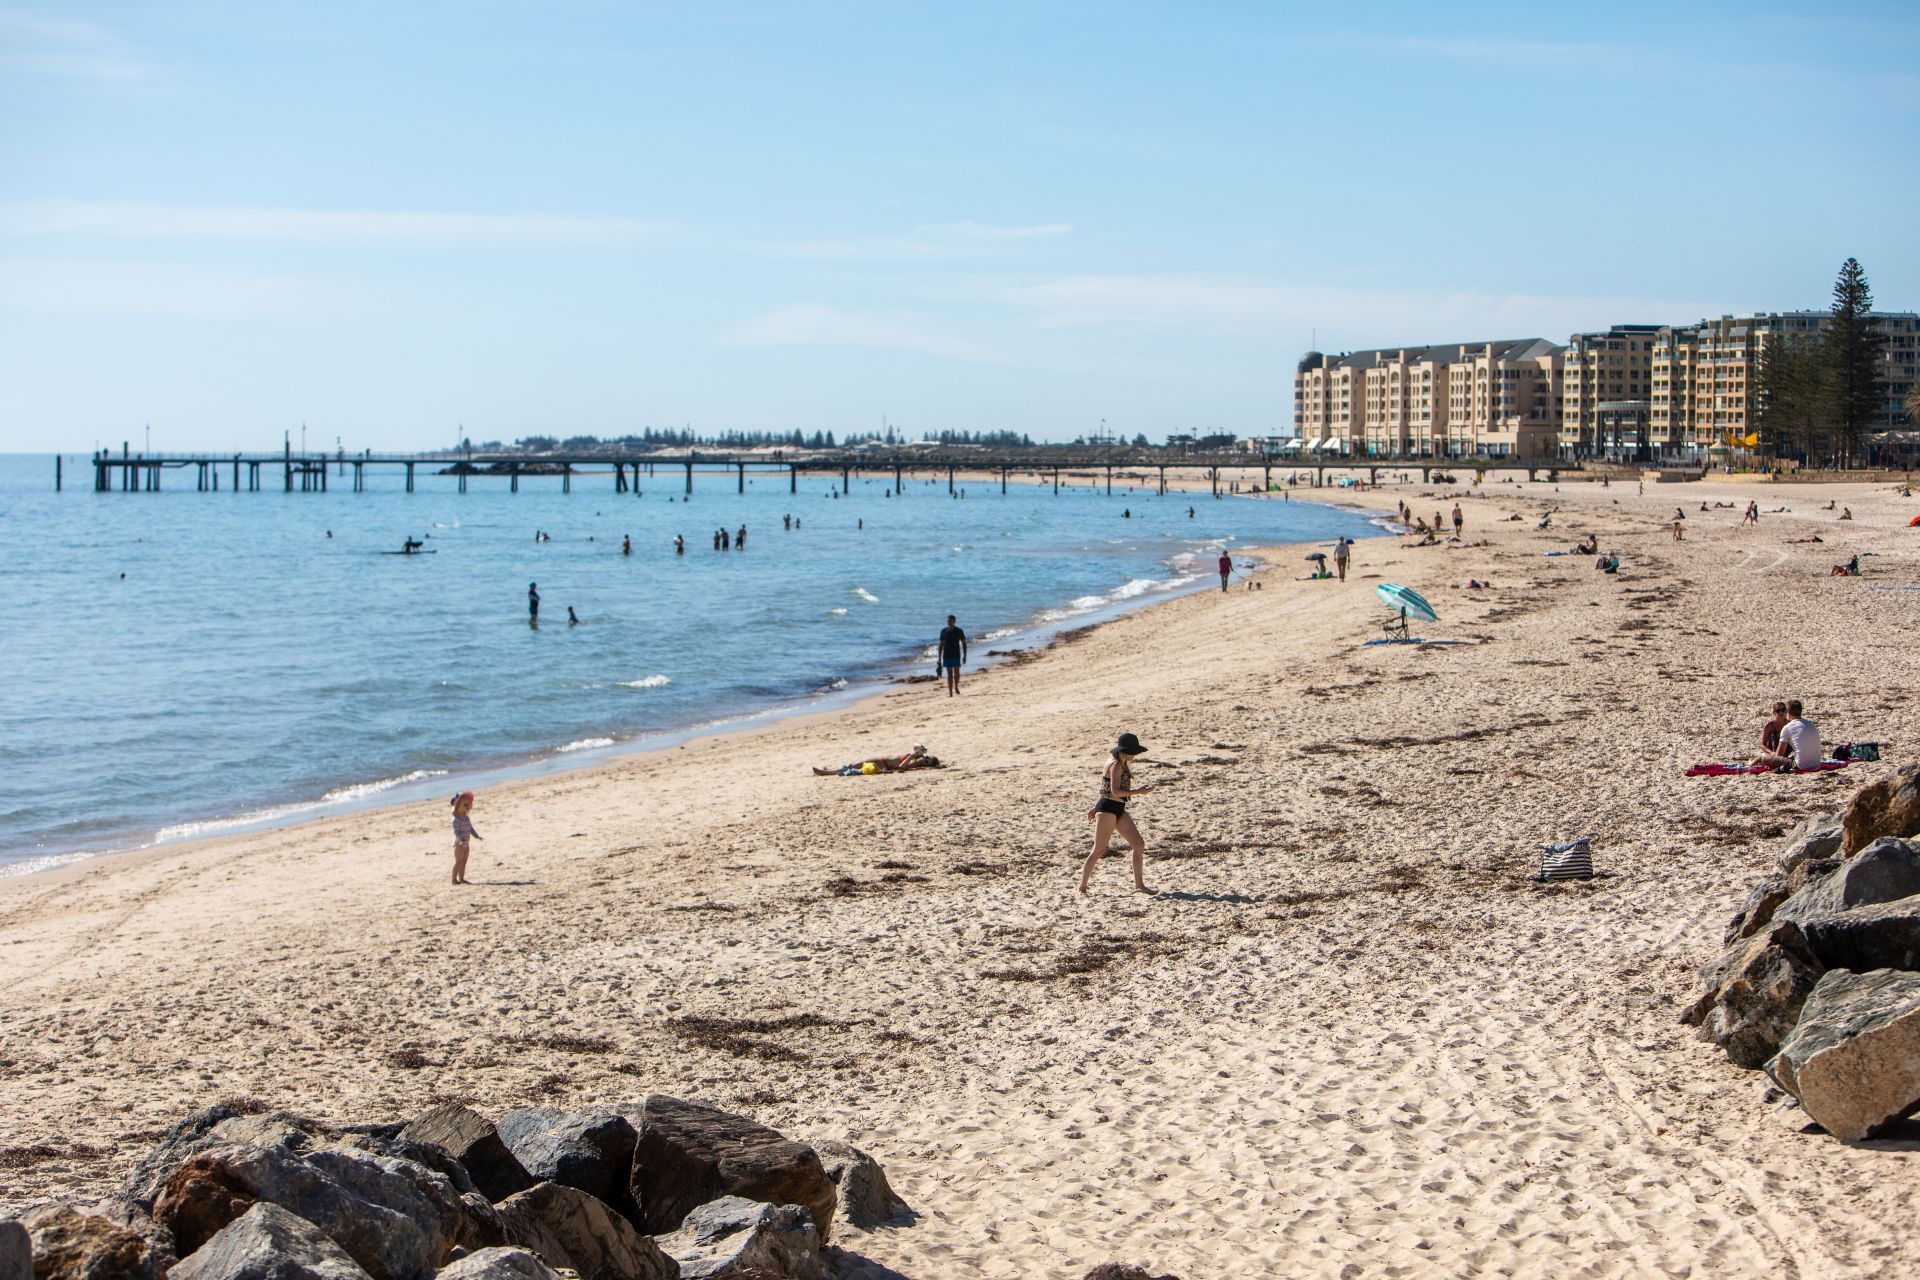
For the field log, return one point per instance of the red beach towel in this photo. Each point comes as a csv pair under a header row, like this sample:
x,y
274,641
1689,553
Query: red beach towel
x,y
1717,770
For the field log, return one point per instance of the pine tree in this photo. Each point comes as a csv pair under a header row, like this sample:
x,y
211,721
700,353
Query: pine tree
x,y
1852,351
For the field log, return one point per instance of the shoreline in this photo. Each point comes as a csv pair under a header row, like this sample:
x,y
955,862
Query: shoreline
x,y
361,795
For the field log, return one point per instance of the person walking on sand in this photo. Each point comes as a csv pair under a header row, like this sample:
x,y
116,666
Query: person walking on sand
x,y
462,832
1340,554
1109,812
1226,569
953,654
1458,520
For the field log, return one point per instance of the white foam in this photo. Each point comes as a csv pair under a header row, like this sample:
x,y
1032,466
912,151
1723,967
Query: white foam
x,y
836,613
28,866
646,682
361,790
585,744
1002,633
1081,604
866,595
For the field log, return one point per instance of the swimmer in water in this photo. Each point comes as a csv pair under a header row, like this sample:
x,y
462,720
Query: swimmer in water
x,y
679,545
573,619
626,545
533,603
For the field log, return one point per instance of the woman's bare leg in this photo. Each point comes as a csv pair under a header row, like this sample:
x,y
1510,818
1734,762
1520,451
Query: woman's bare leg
x,y
1131,834
1102,833
460,864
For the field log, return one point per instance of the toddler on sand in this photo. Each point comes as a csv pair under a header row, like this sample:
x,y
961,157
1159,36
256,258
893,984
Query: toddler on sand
x,y
462,832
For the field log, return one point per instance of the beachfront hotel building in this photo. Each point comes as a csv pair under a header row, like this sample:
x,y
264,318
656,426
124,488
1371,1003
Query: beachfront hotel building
x,y
1487,399
1633,391
1705,375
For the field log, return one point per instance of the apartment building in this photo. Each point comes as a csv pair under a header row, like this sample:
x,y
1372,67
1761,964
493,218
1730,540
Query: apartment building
x,y
1493,399
1608,401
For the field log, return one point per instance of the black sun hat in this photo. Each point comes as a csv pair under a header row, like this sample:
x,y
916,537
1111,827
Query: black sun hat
x,y
1128,746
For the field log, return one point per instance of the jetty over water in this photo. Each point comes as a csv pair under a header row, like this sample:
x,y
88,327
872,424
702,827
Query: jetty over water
x,y
130,472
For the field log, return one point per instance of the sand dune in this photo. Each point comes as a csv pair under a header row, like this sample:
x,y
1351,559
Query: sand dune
x,y
1349,1037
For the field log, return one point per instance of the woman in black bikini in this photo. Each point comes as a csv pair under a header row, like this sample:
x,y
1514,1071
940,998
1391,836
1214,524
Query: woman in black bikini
x,y
1109,813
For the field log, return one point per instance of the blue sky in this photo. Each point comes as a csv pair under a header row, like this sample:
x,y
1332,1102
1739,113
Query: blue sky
x,y
393,222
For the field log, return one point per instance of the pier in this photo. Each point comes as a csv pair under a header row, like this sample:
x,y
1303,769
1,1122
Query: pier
x,y
130,472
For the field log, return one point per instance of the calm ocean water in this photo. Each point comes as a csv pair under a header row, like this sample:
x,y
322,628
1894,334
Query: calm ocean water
x,y
184,663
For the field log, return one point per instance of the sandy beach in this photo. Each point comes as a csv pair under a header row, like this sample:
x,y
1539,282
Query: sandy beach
x,y
1349,1036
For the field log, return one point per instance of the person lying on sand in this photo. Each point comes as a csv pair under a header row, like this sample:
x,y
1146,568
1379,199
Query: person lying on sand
x,y
914,759
1815,538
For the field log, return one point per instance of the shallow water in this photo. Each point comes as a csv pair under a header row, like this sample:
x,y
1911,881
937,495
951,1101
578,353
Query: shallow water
x,y
180,663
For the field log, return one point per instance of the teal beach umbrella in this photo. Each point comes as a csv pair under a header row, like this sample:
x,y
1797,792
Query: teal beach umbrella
x,y
1399,597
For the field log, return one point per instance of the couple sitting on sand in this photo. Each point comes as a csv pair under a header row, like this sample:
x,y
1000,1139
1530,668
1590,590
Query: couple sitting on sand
x,y
1789,740
914,759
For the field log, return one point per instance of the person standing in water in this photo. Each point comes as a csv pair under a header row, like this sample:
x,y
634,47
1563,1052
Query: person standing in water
x,y
1226,569
1109,812
462,832
573,619
740,539
533,603
626,545
953,654
679,545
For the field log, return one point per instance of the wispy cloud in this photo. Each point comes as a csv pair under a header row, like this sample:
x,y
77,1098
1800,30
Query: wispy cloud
x,y
133,220
821,326
37,45
178,291
930,241
1354,316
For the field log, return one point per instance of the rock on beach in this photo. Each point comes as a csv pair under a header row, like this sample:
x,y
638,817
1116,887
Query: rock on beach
x,y
1853,1060
732,1237
268,1243
690,1154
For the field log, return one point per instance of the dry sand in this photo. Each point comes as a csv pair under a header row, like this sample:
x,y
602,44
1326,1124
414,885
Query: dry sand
x,y
1350,1037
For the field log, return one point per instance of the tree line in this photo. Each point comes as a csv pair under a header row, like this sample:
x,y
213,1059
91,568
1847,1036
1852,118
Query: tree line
x,y
1817,396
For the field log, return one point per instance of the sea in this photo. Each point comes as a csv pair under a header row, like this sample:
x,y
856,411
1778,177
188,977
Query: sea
x,y
183,663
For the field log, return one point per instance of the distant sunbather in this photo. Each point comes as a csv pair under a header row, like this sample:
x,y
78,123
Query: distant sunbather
x,y
1589,545
1851,569
914,759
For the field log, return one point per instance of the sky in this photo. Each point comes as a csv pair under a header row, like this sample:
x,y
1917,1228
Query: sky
x,y
402,224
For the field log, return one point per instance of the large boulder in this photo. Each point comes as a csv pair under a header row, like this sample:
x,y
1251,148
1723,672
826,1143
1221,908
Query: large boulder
x,y
689,1154
1853,1060
1753,993
471,1139
71,1245
1757,911
1885,870
397,1219
1818,837
569,1228
591,1150
16,1252
865,1198
1890,807
498,1264
736,1237
215,1126
268,1243
1883,936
